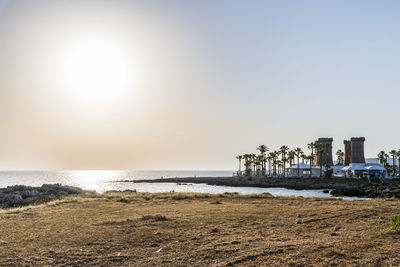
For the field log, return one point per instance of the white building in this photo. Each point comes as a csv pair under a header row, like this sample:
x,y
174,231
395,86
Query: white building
x,y
365,170
303,170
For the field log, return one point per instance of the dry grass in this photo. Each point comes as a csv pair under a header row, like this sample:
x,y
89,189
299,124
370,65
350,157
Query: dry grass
x,y
117,229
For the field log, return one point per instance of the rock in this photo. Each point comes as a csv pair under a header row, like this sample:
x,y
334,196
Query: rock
x,y
12,196
351,192
386,190
12,199
29,193
335,192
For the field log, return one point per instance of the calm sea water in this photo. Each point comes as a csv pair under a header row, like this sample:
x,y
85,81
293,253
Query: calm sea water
x,y
95,180
102,181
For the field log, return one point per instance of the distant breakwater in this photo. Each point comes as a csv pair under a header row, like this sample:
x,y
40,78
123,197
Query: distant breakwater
x,y
336,186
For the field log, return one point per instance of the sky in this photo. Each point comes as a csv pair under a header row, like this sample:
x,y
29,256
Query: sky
x,y
188,85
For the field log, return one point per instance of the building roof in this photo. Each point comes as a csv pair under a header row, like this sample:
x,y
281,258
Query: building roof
x,y
355,167
375,168
363,167
302,166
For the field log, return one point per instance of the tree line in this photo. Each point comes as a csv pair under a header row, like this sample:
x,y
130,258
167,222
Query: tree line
x,y
383,158
277,160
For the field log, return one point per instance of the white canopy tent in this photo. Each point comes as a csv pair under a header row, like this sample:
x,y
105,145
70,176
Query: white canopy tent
x,y
364,170
375,168
303,170
354,167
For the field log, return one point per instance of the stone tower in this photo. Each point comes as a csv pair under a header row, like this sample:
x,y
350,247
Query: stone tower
x,y
357,150
347,152
323,155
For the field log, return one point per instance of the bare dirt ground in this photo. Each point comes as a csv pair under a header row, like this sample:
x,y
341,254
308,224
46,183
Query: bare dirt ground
x,y
134,229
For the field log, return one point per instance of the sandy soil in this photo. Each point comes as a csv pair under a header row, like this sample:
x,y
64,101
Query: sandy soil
x,y
119,229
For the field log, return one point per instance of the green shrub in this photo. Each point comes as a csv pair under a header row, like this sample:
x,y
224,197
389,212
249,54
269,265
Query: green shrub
x,y
395,220
328,173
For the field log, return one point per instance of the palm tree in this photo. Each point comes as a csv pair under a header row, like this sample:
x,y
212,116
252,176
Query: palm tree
x,y
240,157
279,163
303,156
247,164
393,153
253,162
269,158
274,158
381,157
320,148
386,156
263,150
284,150
311,146
291,157
298,152
398,161
340,157
310,158
259,163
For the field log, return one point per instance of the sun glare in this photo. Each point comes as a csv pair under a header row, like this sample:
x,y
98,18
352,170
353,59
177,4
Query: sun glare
x,y
96,72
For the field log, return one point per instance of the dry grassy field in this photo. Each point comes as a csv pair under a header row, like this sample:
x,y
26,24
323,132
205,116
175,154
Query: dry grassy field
x,y
119,229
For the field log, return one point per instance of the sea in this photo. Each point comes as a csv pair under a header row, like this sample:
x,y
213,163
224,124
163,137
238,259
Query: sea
x,y
104,180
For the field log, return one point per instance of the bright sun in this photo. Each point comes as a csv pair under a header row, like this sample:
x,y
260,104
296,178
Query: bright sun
x,y
96,72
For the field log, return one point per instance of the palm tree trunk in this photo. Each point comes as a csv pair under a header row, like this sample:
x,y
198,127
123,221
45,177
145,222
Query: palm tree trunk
x,y
298,166
394,171
320,165
311,160
284,165
398,162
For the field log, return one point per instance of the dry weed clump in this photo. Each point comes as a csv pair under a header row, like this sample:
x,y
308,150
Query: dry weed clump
x,y
156,218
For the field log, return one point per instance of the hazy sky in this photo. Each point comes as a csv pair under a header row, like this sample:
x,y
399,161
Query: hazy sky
x,y
190,84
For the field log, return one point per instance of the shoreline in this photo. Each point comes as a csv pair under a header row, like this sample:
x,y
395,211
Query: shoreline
x,y
338,186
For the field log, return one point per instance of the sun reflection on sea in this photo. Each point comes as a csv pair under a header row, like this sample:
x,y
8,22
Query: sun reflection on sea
x,y
93,179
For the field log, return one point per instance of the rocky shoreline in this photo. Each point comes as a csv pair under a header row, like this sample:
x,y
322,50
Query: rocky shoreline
x,y
21,195
336,186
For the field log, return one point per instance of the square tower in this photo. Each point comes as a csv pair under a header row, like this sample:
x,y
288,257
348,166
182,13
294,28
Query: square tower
x,y
323,151
357,150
